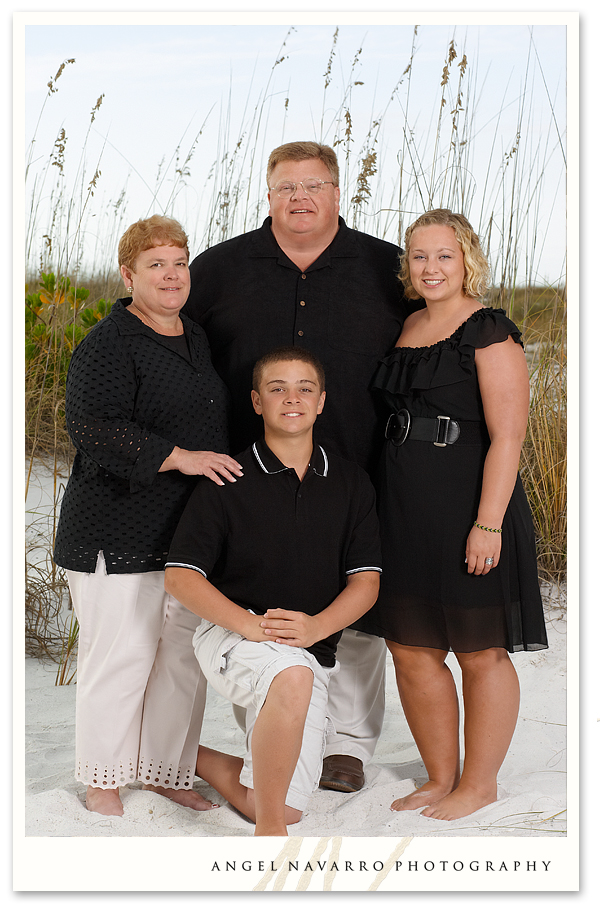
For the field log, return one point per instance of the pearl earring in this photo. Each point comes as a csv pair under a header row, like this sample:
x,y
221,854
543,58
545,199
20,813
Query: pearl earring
x,y
129,290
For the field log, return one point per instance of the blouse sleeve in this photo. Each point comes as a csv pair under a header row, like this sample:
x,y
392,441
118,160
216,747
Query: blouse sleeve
x,y
100,403
488,327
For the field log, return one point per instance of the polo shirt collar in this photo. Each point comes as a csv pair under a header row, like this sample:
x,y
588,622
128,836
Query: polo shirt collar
x,y
270,463
343,245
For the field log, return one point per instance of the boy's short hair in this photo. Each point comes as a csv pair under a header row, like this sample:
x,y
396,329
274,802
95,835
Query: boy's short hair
x,y
287,353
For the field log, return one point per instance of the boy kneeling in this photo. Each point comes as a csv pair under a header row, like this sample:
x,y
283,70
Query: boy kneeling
x,y
277,564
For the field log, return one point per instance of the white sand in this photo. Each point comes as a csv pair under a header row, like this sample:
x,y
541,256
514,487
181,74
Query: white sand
x,y
532,791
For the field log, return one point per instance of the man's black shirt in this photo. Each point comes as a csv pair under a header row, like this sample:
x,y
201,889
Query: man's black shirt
x,y
347,308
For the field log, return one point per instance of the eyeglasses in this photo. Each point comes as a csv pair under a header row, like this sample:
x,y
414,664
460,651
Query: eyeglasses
x,y
312,187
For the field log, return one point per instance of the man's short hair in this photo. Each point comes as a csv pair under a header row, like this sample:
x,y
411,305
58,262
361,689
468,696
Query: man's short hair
x,y
287,353
303,151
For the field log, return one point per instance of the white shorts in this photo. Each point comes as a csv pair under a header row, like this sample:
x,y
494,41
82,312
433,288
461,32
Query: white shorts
x,y
242,671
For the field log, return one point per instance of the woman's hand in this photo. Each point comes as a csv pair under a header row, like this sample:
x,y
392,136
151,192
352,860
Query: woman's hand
x,y
482,545
209,464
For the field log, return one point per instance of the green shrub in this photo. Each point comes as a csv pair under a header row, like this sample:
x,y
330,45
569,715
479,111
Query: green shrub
x,y
56,320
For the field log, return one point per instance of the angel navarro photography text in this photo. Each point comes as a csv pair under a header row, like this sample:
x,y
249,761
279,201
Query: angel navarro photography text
x,y
415,865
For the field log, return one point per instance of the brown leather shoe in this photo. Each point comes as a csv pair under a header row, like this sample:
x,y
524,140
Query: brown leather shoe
x,y
342,772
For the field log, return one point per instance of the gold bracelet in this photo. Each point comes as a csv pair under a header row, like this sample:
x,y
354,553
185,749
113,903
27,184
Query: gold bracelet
x,y
493,530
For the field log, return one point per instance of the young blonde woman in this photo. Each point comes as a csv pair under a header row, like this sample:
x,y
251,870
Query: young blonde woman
x,y
459,563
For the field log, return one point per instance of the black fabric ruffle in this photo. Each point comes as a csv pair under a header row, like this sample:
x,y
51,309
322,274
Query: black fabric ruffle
x,y
447,362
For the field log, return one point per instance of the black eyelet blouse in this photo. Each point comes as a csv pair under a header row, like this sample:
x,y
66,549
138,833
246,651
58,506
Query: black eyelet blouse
x,y
130,399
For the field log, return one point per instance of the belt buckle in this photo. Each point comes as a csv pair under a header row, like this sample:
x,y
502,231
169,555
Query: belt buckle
x,y
405,430
444,434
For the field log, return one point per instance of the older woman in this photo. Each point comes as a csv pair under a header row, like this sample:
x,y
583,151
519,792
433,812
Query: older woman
x,y
459,563
147,414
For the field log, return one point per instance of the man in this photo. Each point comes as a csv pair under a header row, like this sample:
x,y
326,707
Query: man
x,y
304,278
276,566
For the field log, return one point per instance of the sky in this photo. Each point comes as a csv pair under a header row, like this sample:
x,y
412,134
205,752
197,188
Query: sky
x,y
194,86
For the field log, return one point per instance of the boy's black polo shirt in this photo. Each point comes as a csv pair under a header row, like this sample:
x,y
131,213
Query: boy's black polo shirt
x,y
272,541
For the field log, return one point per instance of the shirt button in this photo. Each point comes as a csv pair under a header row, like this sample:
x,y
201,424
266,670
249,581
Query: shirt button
x,y
302,303
301,333
303,276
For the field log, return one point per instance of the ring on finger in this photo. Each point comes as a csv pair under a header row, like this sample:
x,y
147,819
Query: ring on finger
x,y
489,561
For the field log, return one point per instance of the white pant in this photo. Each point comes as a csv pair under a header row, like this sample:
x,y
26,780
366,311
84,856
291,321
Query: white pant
x,y
356,701
357,695
140,690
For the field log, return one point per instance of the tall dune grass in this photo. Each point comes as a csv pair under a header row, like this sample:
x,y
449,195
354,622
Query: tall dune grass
x,y
435,168
544,457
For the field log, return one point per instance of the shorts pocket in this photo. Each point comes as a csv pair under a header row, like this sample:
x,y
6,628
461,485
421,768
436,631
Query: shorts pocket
x,y
213,645
228,644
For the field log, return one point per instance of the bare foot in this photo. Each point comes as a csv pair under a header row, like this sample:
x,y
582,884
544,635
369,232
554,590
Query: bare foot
x,y
106,802
426,795
460,803
188,798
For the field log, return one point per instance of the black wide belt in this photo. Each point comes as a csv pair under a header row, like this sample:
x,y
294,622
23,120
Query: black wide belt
x,y
440,430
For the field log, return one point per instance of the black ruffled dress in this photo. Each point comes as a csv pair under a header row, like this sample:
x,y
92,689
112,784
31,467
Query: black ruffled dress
x,y
429,498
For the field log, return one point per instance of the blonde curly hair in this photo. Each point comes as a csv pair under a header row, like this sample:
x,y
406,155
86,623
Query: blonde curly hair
x,y
477,270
